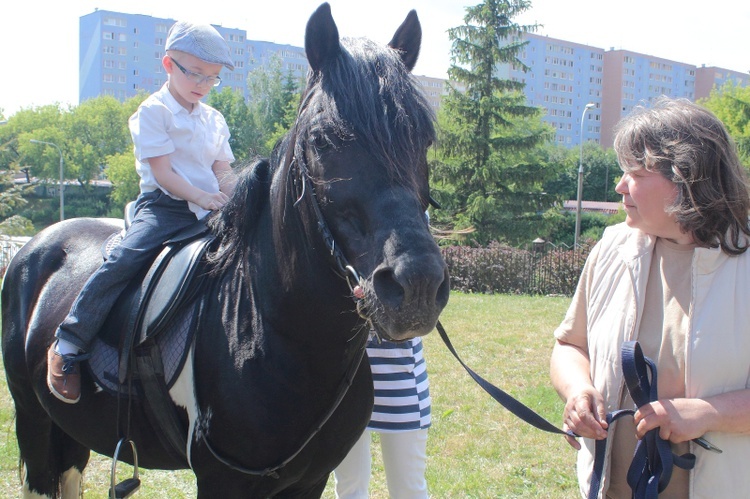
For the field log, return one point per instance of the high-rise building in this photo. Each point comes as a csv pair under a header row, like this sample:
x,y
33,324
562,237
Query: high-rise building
x,y
564,77
120,55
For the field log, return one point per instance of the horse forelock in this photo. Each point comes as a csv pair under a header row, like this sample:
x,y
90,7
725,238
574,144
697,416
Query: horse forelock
x,y
367,94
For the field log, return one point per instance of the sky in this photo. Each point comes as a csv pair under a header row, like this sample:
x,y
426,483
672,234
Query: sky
x,y
39,39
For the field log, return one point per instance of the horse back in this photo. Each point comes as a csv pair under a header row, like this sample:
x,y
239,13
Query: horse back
x,y
41,283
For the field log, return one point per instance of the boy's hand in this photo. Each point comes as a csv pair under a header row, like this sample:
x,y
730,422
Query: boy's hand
x,y
209,201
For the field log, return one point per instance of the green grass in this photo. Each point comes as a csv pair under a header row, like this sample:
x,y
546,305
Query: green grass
x,y
476,449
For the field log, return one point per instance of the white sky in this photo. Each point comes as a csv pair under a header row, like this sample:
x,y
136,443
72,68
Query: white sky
x,y
39,39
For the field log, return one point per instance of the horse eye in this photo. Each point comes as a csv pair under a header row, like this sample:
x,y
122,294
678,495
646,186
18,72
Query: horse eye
x,y
319,141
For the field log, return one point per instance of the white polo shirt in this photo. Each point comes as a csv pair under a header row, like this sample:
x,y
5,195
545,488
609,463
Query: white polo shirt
x,y
193,139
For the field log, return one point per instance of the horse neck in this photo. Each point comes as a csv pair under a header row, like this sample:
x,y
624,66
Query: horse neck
x,y
292,275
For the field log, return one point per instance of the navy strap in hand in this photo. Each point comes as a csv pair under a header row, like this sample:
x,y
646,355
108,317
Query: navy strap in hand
x,y
651,468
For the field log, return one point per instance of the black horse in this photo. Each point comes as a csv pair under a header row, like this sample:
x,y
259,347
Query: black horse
x,y
284,313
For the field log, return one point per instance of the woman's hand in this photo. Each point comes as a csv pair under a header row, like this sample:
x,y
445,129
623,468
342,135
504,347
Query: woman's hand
x,y
584,415
678,420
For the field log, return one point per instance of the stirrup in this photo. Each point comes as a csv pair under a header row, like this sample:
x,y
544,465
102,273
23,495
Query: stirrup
x,y
129,486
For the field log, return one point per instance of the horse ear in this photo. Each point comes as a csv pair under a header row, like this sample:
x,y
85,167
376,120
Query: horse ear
x,y
321,38
407,39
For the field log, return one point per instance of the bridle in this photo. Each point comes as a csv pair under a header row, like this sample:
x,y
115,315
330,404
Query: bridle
x,y
300,180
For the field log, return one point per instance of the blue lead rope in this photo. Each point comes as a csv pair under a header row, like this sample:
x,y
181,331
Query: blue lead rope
x,y
651,468
506,400
653,460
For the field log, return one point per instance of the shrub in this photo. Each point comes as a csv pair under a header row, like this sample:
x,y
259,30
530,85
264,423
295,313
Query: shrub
x,y
503,269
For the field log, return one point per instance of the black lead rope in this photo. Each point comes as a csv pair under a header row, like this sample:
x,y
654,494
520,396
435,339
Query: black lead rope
x,y
504,399
653,460
651,468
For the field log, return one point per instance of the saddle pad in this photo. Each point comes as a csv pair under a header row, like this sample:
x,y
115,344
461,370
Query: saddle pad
x,y
173,343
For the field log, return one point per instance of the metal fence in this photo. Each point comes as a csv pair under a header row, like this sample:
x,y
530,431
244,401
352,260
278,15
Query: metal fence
x,y
542,270
9,246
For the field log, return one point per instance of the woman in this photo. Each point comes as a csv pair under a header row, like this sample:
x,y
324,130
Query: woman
x,y
676,278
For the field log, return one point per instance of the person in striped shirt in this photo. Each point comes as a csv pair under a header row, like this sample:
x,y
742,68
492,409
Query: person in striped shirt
x,y
401,416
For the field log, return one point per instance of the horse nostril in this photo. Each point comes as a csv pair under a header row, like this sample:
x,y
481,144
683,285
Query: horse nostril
x,y
387,288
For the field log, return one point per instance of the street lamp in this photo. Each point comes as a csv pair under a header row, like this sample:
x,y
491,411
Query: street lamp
x,y
62,185
580,180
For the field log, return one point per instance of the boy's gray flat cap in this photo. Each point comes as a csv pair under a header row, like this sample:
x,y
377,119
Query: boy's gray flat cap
x,y
200,40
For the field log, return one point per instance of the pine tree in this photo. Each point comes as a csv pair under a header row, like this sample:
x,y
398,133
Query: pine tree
x,y
489,170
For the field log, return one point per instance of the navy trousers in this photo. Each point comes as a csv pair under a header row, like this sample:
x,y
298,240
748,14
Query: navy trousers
x,y
157,218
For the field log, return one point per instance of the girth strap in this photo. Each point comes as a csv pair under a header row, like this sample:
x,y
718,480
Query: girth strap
x,y
653,460
158,404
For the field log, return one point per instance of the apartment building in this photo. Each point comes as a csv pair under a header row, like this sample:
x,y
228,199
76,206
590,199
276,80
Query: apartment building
x,y
120,54
563,77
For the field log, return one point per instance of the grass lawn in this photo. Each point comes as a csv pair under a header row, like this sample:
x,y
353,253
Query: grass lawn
x,y
476,449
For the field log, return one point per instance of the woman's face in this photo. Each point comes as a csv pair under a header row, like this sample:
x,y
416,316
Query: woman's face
x,y
645,198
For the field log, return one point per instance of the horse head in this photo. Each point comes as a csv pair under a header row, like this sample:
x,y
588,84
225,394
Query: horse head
x,y
356,164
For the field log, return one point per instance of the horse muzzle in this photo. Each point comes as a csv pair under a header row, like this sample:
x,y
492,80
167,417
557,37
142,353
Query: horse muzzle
x,y
404,301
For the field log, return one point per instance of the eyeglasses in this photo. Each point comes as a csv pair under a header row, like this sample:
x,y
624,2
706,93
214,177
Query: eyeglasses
x,y
198,78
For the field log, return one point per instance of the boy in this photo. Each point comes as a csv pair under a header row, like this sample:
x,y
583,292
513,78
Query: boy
x,y
183,158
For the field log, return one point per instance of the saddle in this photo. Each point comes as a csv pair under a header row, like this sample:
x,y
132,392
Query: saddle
x,y
146,337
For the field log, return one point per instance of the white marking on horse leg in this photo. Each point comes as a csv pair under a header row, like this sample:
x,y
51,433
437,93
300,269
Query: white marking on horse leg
x,y
27,493
183,394
70,484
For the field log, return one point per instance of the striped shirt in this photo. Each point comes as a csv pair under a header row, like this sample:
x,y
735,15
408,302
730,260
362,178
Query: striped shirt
x,y
402,391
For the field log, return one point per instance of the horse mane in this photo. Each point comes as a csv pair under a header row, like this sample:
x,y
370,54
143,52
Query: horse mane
x,y
237,220
367,93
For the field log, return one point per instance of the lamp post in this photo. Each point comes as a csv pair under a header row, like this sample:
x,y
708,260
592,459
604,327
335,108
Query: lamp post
x,y
62,185
580,180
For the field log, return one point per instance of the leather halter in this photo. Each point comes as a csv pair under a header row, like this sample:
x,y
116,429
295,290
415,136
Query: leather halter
x,y
344,269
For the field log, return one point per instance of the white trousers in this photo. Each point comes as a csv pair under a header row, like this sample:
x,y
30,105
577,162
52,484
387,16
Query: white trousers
x,y
404,456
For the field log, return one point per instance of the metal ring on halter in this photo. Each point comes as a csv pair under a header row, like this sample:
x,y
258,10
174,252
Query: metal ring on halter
x,y
353,273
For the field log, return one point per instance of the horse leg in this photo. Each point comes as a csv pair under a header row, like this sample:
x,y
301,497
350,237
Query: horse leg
x,y
73,460
52,461
314,492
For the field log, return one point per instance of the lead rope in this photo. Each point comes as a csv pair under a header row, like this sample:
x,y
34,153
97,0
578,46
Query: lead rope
x,y
653,460
651,468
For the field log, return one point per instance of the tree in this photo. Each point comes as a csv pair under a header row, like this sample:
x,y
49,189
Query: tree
x,y
731,104
242,130
600,173
490,168
271,94
125,181
11,194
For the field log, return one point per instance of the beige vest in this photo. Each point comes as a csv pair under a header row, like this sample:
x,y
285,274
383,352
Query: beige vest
x,y
718,345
